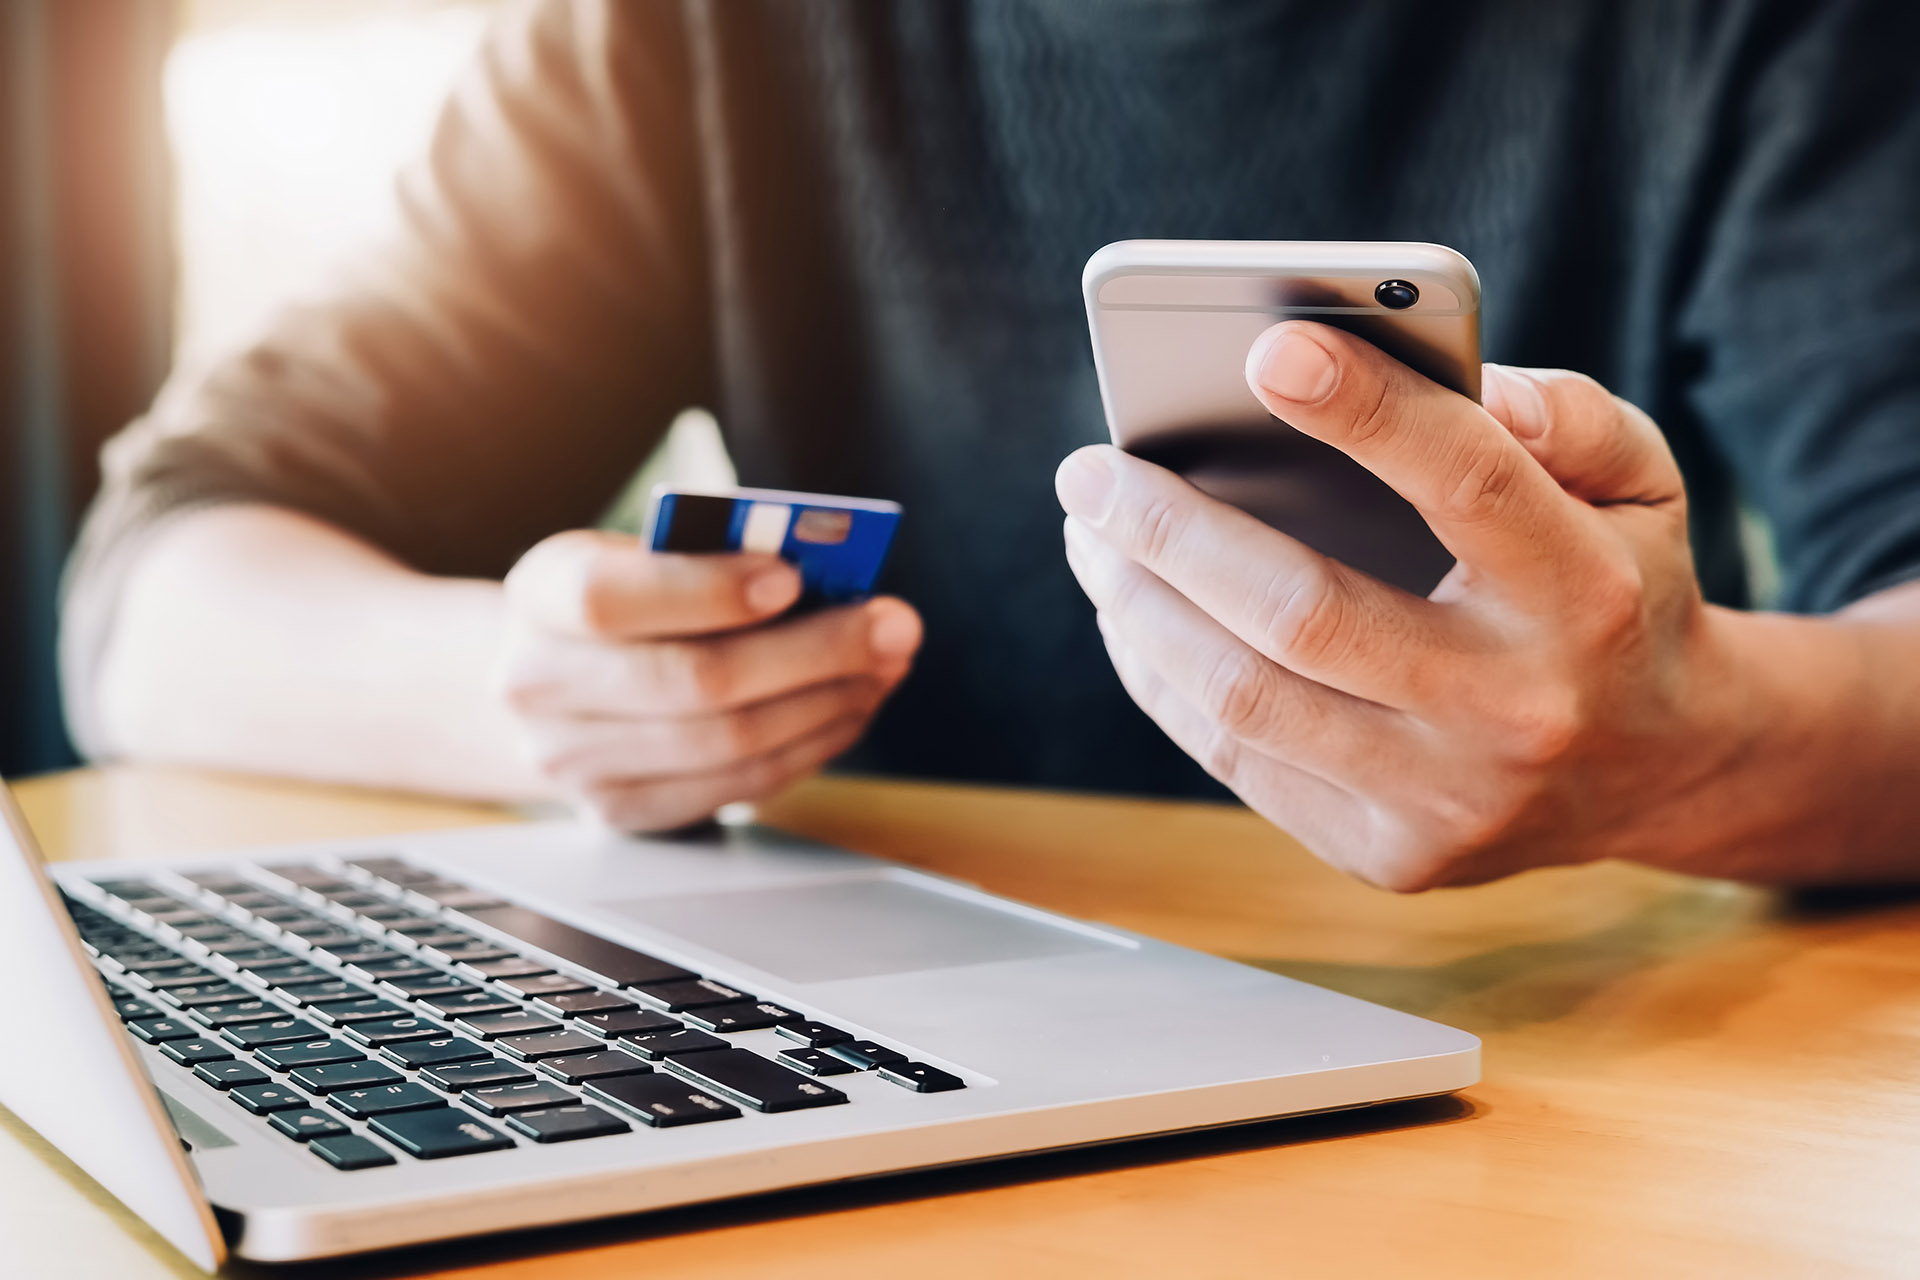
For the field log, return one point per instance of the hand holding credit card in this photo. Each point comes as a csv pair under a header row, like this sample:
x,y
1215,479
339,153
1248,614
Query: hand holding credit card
x,y
655,686
838,544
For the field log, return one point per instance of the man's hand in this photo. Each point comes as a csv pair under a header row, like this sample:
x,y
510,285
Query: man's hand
x,y
1564,693
656,689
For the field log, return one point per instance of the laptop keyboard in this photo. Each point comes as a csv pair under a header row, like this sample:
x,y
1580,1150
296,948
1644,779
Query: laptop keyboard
x,y
357,1010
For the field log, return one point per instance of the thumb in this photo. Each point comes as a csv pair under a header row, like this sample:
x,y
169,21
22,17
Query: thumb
x,y
603,586
1599,448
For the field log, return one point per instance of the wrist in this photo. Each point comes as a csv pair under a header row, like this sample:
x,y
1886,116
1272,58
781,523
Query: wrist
x,y
1778,753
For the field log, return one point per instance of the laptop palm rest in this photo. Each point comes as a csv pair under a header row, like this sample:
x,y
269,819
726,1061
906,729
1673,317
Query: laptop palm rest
x,y
859,928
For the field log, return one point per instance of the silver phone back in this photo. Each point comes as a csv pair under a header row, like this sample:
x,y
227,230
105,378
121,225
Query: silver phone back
x,y
1172,322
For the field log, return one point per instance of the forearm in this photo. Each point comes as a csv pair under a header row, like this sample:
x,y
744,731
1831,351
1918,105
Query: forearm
x,y
1816,774
256,638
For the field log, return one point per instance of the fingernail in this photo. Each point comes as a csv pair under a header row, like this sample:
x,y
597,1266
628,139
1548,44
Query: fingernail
x,y
1294,367
774,589
1085,485
895,632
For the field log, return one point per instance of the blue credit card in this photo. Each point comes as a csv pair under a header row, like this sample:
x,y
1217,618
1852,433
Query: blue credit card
x,y
838,544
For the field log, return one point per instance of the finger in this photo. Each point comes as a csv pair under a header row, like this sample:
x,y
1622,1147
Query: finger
x,y
1311,810
661,804
688,677
1305,611
1485,498
578,751
1598,447
1322,731
605,586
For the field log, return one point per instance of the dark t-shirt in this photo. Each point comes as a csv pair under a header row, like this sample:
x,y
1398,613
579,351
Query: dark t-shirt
x,y
855,231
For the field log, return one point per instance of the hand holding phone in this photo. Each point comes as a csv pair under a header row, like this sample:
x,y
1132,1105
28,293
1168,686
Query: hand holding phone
x,y
656,687
1172,322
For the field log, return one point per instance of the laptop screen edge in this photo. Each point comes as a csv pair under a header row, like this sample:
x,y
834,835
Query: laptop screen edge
x,y
121,1137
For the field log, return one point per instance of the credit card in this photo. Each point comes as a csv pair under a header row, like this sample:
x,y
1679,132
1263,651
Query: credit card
x,y
838,544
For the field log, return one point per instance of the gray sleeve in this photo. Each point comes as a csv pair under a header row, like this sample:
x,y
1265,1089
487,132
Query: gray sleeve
x,y
1804,319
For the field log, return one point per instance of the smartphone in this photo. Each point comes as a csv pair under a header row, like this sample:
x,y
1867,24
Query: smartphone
x,y
839,544
1172,322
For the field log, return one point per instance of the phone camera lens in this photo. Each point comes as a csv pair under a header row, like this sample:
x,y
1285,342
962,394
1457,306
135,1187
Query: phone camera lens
x,y
1396,295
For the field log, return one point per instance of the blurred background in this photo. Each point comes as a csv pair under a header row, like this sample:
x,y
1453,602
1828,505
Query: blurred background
x,y
169,170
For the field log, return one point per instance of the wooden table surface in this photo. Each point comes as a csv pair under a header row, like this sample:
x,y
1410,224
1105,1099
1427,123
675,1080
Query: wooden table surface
x,y
1683,1078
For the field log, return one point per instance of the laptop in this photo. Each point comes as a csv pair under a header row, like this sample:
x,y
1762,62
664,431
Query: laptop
x,y
303,1052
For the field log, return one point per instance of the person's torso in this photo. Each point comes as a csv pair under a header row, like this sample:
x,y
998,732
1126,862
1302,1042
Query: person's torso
x,y
900,199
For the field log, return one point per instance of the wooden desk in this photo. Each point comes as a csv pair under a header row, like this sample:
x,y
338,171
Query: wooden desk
x,y
1682,1078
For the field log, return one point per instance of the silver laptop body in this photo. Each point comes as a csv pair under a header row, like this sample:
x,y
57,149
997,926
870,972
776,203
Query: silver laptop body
x,y
1026,1030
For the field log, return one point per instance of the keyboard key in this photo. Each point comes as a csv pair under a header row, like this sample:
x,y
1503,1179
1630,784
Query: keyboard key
x,y
355,899
306,874
742,1016
514,967
574,1003
240,956
476,1075
318,992
620,965
391,870
164,964
233,1013
564,1124
920,1077
163,981
866,1054
358,1104
817,1062
491,1026
655,1045
129,1008
437,1134
662,1101
320,940
622,1022
392,1031
761,1083
336,1076
347,1012
498,1100
432,1053
545,984
288,973
263,1098
306,1124
155,1030
818,1035
198,994
350,1151
191,1053
443,937
454,897
394,966
415,985
466,1003
416,926
361,950
697,994
474,950
230,1074
257,1035
308,1053
546,1044
576,1067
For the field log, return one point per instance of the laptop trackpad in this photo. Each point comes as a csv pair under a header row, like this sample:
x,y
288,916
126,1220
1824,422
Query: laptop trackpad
x,y
853,928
